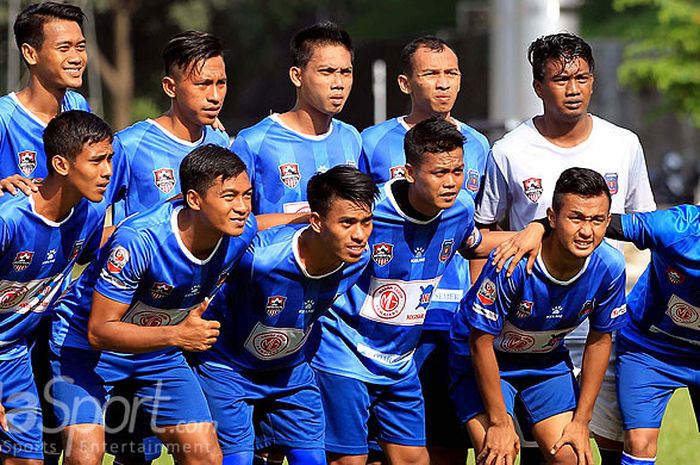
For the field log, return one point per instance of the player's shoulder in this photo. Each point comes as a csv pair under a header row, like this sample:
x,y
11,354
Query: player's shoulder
x,y
282,234
216,137
134,132
153,220
257,131
513,140
378,131
470,133
8,106
73,100
612,132
608,259
464,200
14,207
344,129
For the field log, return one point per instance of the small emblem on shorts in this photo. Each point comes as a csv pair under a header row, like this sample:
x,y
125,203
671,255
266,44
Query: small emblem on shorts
x,y
160,290
26,161
117,259
397,171
22,260
675,276
516,342
524,309
164,179
270,344
289,174
12,295
275,304
77,248
611,181
487,292
382,253
473,180
533,189
388,301
446,249
587,308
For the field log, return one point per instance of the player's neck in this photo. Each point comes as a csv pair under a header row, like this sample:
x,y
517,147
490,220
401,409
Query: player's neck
x,y
55,199
565,134
559,262
199,237
43,101
179,127
417,115
313,254
306,120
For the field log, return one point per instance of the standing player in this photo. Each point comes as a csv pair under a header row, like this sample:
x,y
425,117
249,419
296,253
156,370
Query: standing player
x,y
431,77
41,236
284,150
526,163
260,388
508,336
152,281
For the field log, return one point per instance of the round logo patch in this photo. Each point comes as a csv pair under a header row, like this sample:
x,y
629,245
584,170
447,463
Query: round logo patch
x,y
12,295
150,318
117,259
516,342
683,313
270,344
388,301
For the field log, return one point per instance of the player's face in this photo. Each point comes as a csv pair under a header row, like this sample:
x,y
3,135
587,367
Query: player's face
x,y
435,183
566,92
324,83
199,92
345,229
90,172
579,225
62,57
226,204
434,82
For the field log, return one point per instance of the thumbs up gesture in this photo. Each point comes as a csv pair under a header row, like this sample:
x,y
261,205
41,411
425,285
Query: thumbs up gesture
x,y
195,334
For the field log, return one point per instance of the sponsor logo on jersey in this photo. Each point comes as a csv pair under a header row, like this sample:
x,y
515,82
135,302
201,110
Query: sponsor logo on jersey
x,y
164,179
675,276
194,290
50,257
556,312
524,309
472,238
77,248
446,249
426,292
618,311
151,318
611,181
309,305
472,180
22,260
512,341
26,161
389,300
117,259
270,344
533,189
418,255
555,340
682,313
12,295
289,174
397,172
487,292
160,290
382,253
587,308
275,304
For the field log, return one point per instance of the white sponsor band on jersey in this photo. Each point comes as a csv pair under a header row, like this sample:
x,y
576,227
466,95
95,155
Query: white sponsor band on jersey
x,y
683,313
32,296
512,339
397,302
144,315
385,359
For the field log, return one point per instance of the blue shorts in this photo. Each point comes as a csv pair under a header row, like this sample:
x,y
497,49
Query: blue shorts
x,y
165,386
20,399
535,397
256,410
356,410
645,383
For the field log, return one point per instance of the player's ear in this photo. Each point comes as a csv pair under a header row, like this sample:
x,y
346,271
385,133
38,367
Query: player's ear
x,y
169,86
29,54
193,200
551,217
315,222
410,173
295,76
60,165
537,85
404,84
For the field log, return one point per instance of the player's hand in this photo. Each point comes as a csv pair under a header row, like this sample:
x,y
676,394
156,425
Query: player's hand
x,y
196,334
16,182
218,125
501,445
576,435
526,242
3,419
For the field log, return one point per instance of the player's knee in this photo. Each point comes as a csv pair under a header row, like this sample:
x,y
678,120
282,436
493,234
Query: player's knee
x,y
564,456
83,456
640,443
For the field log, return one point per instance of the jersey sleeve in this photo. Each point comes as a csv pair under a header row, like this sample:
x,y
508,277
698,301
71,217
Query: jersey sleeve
x,y
492,201
119,183
491,297
652,229
241,148
611,312
639,195
127,260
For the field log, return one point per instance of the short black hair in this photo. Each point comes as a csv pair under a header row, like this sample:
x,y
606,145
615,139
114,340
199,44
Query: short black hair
x,y
341,182
583,182
67,134
324,33
432,43
29,24
433,135
201,168
563,47
188,49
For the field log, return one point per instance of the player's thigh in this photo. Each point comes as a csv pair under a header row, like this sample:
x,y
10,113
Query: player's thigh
x,y
399,412
192,443
548,431
546,396
606,422
83,444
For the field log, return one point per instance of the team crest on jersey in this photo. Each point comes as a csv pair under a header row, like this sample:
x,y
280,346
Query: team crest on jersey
x,y
397,171
512,341
275,304
117,259
425,294
382,253
77,248
22,260
446,249
290,175
587,308
611,181
487,292
675,276
533,189
26,162
160,290
524,309
389,300
270,343
222,277
12,295
473,180
164,179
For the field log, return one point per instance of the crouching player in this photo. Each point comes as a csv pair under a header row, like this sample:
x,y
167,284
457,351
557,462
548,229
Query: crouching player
x,y
41,236
507,336
284,282
152,281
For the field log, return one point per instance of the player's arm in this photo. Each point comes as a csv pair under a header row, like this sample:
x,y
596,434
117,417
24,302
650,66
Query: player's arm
x,y
270,220
509,244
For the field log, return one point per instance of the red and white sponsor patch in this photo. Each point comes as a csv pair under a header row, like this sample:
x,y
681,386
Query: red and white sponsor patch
x,y
151,318
487,292
388,301
682,313
269,344
117,259
618,311
12,295
511,341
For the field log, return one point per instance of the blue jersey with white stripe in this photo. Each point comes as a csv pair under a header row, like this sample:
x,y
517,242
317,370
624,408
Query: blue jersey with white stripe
x,y
383,158
21,136
146,265
371,331
36,257
269,303
531,314
665,303
146,164
281,161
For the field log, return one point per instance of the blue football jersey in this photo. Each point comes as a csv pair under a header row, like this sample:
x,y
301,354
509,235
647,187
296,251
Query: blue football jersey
x,y
36,257
146,165
21,136
281,161
371,331
145,265
531,314
383,158
269,303
665,303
